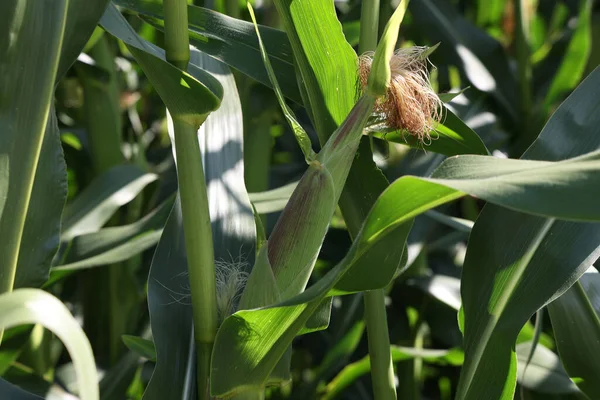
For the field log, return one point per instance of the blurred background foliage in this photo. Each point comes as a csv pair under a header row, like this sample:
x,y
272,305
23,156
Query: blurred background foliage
x,y
121,177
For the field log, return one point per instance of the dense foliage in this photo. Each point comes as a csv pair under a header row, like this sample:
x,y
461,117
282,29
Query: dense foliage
x,y
270,214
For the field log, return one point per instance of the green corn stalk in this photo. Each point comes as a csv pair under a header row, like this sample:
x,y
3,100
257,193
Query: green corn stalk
x,y
194,204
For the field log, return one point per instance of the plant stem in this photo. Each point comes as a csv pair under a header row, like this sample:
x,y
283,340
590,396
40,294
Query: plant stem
x,y
194,206
177,42
199,245
524,71
382,368
369,21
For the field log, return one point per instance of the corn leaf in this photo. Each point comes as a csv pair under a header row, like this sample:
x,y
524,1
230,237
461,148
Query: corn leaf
x,y
29,142
451,137
576,326
34,306
231,41
501,292
355,370
96,204
299,132
114,244
190,95
544,372
221,142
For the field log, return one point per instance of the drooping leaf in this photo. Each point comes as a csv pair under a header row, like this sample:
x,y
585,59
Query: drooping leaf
x,y
96,204
576,326
190,95
502,286
355,370
34,306
115,244
451,137
231,41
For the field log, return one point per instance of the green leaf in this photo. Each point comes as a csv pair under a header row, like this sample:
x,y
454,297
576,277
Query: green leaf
x,y
41,232
34,306
544,372
25,115
355,370
96,204
299,132
42,224
481,58
575,58
115,244
576,326
221,142
517,263
231,41
327,63
82,18
190,95
143,347
451,137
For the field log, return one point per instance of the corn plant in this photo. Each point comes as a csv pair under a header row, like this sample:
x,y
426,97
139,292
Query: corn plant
x,y
214,201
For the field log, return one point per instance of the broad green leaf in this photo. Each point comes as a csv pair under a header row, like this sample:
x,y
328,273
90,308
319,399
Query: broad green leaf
x,y
495,180
221,142
576,326
190,95
143,347
325,60
575,59
96,204
114,244
42,224
34,306
544,372
25,109
231,41
517,263
355,370
451,137
41,232
481,58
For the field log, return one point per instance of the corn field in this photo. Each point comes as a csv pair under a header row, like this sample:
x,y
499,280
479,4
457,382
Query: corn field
x,y
299,199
